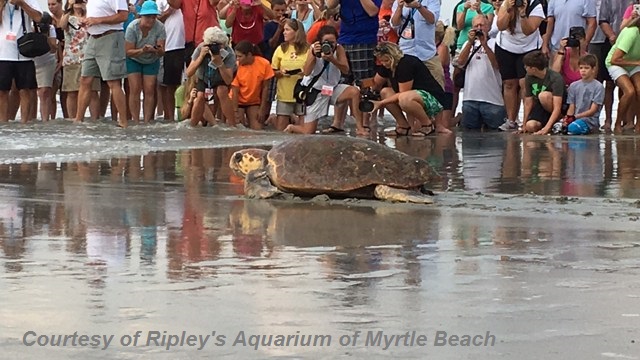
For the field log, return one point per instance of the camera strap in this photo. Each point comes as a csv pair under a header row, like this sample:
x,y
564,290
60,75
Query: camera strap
x,y
471,57
406,22
315,78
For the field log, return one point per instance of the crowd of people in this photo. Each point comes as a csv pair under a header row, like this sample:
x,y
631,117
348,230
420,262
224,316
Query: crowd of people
x,y
227,61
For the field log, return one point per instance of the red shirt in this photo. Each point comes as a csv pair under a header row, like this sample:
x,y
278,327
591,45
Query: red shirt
x,y
248,28
198,15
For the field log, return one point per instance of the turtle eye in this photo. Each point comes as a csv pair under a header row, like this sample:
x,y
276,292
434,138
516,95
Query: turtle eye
x,y
238,157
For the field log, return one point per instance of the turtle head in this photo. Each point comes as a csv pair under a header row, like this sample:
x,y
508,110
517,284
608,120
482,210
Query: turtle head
x,y
244,161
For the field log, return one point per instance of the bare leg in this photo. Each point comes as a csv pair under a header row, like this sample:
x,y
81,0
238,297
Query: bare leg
x,y
628,96
281,122
169,101
198,108
72,103
25,105
44,95
511,98
84,95
135,88
150,88
159,100
304,128
608,104
240,116
253,114
94,105
4,106
120,100
14,102
225,104
351,96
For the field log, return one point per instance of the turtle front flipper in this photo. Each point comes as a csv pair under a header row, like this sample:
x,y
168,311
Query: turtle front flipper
x,y
388,193
258,186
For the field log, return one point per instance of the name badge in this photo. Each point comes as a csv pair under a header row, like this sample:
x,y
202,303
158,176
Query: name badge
x,y
208,95
11,36
327,90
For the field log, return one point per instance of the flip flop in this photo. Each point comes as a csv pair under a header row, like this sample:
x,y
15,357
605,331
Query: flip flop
x,y
430,129
396,133
332,130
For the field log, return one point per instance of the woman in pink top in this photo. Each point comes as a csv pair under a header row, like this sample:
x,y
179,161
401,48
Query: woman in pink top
x,y
631,13
566,61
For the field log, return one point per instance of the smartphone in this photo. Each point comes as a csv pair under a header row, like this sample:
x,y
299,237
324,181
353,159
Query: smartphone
x,y
294,71
519,3
636,8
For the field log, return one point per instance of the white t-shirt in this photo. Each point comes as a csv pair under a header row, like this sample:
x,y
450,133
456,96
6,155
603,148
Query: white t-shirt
x,y
518,42
10,31
482,81
174,26
102,8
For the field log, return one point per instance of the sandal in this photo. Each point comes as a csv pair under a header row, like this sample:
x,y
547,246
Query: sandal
x,y
430,129
395,133
332,130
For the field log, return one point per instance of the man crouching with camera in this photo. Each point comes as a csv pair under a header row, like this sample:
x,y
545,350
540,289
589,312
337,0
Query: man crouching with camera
x,y
213,63
325,63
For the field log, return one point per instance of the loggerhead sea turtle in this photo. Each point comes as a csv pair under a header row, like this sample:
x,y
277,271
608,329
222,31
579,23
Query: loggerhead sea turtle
x,y
337,166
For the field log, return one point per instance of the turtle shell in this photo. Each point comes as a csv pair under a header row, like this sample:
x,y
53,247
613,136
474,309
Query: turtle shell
x,y
340,165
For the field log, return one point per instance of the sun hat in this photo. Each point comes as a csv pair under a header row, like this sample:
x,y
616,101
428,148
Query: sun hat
x,y
149,8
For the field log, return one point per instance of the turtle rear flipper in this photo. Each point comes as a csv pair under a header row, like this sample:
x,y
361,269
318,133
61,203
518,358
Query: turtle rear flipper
x,y
388,193
258,186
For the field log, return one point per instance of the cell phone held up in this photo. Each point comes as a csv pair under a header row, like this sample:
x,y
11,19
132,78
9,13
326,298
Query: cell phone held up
x,y
519,3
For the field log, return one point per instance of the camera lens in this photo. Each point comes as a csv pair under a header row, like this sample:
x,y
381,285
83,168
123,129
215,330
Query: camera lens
x,y
366,106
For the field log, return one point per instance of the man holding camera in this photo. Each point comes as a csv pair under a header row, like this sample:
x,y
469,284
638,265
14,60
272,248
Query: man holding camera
x,y
562,16
104,54
214,64
13,66
483,104
416,20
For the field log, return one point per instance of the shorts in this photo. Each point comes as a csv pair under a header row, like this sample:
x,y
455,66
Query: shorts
x,y
539,114
437,71
104,57
578,127
71,79
431,106
173,68
320,107
285,108
23,72
202,86
601,51
476,114
134,67
45,74
618,71
446,101
361,61
510,64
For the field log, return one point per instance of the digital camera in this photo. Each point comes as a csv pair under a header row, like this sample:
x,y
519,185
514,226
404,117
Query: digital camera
x,y
214,48
367,97
575,34
326,48
479,33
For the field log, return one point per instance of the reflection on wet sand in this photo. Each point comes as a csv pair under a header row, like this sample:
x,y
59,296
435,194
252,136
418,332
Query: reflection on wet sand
x,y
166,241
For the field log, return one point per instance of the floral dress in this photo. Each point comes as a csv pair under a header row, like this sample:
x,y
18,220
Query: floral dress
x,y
75,38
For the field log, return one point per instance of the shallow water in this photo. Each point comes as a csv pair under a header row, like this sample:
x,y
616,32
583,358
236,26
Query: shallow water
x,y
165,242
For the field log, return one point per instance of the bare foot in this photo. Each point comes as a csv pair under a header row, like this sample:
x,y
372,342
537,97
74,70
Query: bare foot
x,y
289,129
123,124
363,131
443,130
617,129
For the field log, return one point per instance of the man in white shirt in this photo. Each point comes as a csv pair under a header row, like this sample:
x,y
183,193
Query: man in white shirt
x,y
104,54
13,66
483,104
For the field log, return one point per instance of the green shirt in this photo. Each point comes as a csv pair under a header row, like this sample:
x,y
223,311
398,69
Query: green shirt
x,y
629,42
468,20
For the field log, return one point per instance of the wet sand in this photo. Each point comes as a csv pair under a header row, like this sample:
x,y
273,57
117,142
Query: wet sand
x,y
532,239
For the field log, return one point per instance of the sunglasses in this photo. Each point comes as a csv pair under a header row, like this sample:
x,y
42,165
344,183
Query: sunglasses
x,y
381,49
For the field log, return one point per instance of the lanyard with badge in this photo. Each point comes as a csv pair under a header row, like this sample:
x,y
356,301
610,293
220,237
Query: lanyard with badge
x,y
11,36
407,30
